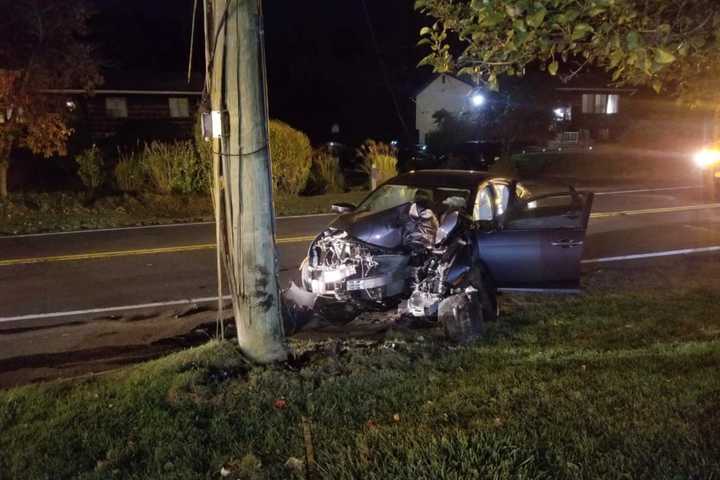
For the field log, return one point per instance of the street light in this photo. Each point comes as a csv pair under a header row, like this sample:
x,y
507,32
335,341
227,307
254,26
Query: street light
x,y
477,99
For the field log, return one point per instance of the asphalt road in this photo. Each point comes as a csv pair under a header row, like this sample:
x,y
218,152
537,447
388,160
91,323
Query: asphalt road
x,y
43,277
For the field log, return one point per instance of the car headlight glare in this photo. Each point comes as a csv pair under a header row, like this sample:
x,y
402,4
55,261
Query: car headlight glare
x,y
707,157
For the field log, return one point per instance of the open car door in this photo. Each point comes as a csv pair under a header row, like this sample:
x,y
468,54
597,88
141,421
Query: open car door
x,y
538,242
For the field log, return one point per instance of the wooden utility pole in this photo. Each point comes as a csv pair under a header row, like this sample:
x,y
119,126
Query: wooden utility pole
x,y
244,194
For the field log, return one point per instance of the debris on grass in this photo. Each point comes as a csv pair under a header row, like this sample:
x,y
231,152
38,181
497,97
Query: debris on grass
x,y
519,403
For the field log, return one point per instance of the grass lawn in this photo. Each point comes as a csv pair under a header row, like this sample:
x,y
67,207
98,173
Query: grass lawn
x,y
607,385
48,212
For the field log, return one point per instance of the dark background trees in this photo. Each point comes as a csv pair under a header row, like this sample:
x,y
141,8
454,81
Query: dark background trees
x,y
43,45
520,114
667,45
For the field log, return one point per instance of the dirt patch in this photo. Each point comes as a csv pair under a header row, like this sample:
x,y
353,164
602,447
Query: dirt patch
x,y
47,352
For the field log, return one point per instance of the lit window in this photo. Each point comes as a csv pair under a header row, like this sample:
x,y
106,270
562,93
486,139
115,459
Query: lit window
x,y
116,107
179,107
563,114
600,103
613,105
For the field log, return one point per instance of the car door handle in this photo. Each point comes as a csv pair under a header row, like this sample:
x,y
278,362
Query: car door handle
x,y
567,243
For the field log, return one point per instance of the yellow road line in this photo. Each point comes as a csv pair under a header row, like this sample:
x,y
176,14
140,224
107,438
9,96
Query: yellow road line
x,y
130,253
306,238
687,208
285,240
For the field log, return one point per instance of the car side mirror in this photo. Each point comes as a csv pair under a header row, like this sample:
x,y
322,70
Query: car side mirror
x,y
342,207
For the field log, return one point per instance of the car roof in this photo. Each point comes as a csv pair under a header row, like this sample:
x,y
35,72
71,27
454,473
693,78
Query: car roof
x,y
469,179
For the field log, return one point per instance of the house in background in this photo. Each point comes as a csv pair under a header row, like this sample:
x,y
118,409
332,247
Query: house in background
x,y
132,107
442,92
587,111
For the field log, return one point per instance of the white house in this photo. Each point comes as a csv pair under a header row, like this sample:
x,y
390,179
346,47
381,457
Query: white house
x,y
444,92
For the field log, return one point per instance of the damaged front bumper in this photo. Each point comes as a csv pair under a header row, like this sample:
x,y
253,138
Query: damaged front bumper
x,y
346,269
387,278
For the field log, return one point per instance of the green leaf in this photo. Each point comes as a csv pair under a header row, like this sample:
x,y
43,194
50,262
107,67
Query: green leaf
x,y
657,86
493,82
616,57
536,19
580,31
429,60
491,19
633,40
553,68
560,19
519,25
572,14
617,73
663,57
425,31
512,11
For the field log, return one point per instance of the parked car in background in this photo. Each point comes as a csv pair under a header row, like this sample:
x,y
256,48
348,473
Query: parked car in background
x,y
473,155
443,243
415,157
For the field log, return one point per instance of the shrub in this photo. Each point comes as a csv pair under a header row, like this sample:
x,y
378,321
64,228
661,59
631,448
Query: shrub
x,y
160,165
380,156
175,167
325,175
291,154
130,174
91,169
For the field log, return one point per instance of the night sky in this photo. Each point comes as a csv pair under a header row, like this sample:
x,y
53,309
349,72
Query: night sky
x,y
322,65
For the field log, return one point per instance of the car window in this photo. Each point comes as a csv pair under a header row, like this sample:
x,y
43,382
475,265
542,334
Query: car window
x,y
502,197
550,211
483,209
390,196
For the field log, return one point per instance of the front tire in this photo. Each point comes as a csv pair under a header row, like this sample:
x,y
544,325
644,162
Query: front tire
x,y
487,292
462,316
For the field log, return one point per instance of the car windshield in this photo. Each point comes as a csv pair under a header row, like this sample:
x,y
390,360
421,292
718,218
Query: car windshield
x,y
389,196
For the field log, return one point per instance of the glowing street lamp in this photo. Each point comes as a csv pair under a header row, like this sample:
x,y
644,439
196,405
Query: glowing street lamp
x,y
477,99
707,157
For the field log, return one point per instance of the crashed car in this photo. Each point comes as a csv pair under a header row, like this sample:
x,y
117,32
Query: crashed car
x,y
442,243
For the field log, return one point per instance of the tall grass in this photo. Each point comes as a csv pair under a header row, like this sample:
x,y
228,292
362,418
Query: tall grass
x,y
175,167
380,158
91,168
130,174
326,174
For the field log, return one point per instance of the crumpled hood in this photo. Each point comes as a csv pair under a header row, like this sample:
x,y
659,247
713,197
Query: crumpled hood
x,y
383,229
